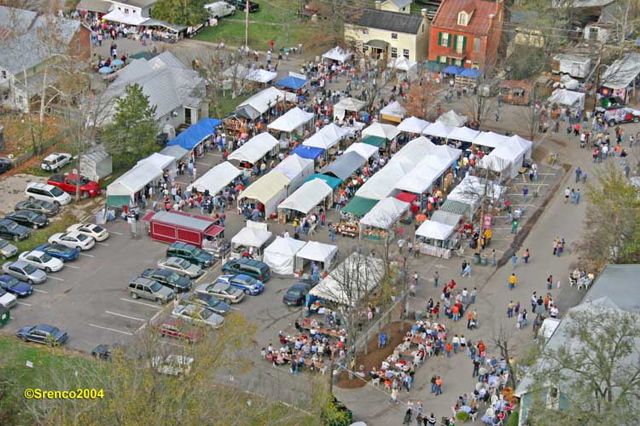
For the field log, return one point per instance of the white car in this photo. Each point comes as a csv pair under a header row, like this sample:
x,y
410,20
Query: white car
x,y
197,315
41,260
73,240
55,161
172,365
7,299
96,232
181,266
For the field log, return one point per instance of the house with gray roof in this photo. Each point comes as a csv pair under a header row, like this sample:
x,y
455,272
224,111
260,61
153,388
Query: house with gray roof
x,y
616,290
176,91
389,31
31,42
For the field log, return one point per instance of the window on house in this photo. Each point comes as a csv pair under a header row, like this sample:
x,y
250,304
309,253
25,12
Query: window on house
x,y
444,40
394,36
476,44
460,42
405,53
126,11
442,59
458,62
394,52
463,18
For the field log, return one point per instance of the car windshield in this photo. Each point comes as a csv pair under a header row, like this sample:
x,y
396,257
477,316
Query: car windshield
x,y
295,292
82,237
205,313
29,269
97,228
173,277
155,287
184,264
45,257
47,162
224,288
9,281
56,191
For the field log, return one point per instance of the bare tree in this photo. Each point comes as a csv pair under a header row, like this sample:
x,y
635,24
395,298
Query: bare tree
x,y
503,339
478,106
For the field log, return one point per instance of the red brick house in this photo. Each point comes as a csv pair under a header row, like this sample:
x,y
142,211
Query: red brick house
x,y
466,33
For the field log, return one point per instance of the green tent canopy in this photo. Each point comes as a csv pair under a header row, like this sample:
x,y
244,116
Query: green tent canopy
x,y
359,206
333,182
118,200
376,141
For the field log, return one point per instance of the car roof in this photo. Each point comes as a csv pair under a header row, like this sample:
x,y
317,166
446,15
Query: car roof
x,y
36,252
46,327
181,244
19,263
40,185
143,280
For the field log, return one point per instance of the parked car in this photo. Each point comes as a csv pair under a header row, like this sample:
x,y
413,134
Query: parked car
x,y
5,164
69,184
296,294
172,365
12,231
191,253
197,315
223,291
55,161
15,286
25,272
242,5
39,206
7,299
255,268
247,284
41,260
220,9
96,232
174,328
7,249
73,240
59,251
28,219
211,302
150,289
44,334
619,115
181,266
173,280
46,192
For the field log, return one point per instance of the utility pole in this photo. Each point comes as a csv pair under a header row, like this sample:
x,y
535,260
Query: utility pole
x,y
246,25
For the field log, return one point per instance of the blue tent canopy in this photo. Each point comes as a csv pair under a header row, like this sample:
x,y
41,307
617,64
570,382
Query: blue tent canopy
x,y
333,182
309,152
470,72
452,69
196,133
291,82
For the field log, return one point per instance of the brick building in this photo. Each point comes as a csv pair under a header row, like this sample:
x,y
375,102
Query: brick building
x,y
466,33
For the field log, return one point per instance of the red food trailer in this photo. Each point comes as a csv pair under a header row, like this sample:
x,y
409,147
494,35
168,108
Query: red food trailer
x,y
174,226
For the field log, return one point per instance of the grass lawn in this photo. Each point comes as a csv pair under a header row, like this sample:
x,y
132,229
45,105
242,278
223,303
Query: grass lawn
x,y
227,104
276,20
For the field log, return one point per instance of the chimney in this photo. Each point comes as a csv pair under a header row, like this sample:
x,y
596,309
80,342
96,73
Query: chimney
x,y
378,4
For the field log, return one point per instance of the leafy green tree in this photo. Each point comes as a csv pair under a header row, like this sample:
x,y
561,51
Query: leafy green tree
x,y
182,12
132,133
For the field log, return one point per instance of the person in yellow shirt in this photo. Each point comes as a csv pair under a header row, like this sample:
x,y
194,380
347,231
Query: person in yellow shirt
x,y
488,233
513,280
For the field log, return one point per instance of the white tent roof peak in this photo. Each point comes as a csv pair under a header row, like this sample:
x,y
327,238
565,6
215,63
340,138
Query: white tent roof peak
x,y
435,230
463,134
402,64
255,148
413,125
337,54
394,109
381,130
326,137
291,120
363,149
452,119
251,237
438,130
384,214
490,139
318,252
216,178
308,196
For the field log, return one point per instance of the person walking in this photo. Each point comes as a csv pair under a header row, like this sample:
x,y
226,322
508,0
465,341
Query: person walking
x,y
394,396
438,385
514,260
436,278
467,270
549,282
513,280
510,307
526,255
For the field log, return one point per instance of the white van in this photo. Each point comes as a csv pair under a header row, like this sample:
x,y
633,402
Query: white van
x,y
45,192
220,9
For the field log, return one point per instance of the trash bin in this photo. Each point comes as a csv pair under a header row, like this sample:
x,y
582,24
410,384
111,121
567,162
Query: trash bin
x,y
5,316
484,261
476,258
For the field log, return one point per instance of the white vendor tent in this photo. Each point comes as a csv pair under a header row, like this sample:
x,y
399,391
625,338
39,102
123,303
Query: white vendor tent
x,y
280,255
253,235
422,177
463,134
317,252
435,230
402,64
621,73
393,112
175,151
385,131
116,15
411,154
261,76
567,98
452,119
382,183
490,139
337,54
347,104
164,162
413,125
308,196
134,180
438,130
471,190
259,103
384,214
269,190
255,148
296,169
216,178
507,159
292,120
326,137
351,280
364,150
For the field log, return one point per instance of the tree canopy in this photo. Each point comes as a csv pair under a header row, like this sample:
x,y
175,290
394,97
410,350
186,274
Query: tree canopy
x,y
132,133
181,12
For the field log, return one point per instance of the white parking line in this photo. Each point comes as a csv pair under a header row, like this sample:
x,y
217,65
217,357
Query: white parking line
x,y
55,278
86,255
141,303
142,327
103,244
125,316
24,304
72,266
153,318
37,290
116,233
111,329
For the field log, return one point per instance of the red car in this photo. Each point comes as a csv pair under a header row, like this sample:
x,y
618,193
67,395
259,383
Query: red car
x,y
68,183
174,328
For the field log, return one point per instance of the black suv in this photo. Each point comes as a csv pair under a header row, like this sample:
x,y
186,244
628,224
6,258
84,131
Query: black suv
x,y
28,219
241,5
173,280
12,231
191,253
